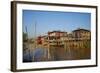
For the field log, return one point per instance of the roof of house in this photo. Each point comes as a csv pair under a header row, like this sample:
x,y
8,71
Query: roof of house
x,y
57,32
80,29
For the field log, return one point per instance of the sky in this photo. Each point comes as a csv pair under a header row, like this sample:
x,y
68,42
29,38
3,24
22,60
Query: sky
x,y
43,21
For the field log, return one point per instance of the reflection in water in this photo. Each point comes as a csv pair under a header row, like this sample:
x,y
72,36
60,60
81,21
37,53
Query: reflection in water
x,y
40,54
34,55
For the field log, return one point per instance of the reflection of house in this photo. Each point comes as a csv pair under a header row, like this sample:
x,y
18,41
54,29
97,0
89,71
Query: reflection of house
x,y
56,45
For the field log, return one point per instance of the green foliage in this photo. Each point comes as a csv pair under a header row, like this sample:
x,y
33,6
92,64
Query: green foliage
x,y
87,44
25,37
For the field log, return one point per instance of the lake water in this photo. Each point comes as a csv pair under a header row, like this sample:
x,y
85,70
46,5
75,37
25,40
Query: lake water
x,y
34,55
40,54
55,54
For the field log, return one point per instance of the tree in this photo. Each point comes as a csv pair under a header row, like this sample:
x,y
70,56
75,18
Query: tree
x,y
25,37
